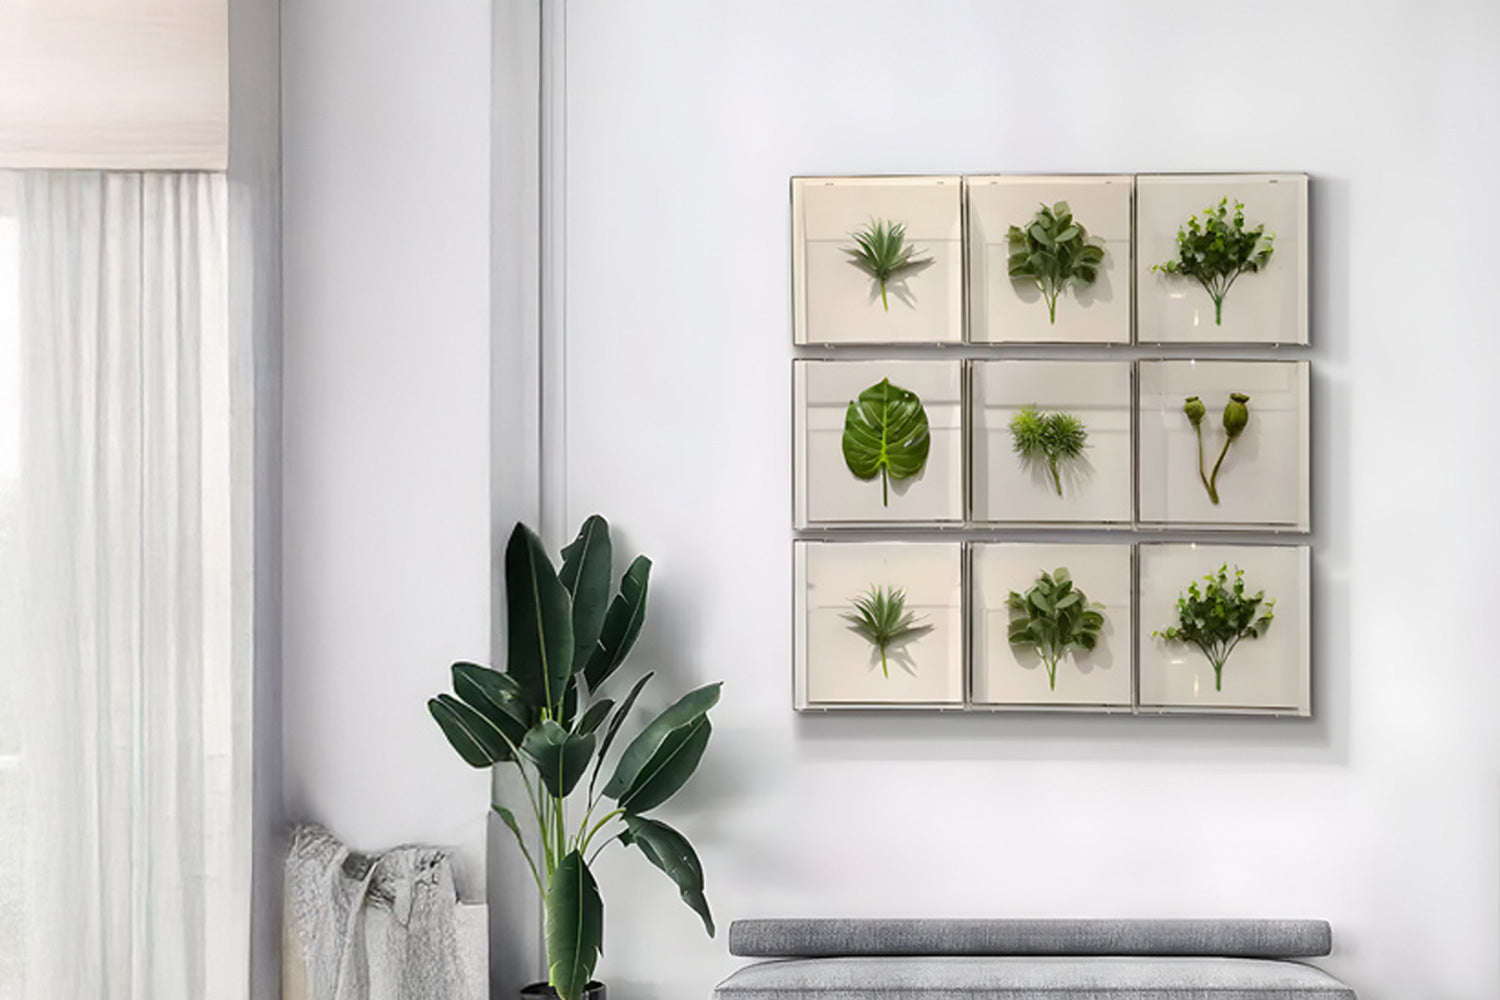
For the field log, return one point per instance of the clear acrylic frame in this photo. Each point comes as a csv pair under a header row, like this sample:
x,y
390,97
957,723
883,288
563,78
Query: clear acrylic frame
x,y
835,302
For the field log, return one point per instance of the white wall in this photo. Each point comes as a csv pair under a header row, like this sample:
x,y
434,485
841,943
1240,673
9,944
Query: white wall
x,y
1383,814
386,139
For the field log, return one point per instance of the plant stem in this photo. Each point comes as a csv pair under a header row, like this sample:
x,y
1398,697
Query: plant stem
x,y
883,300
1051,674
885,488
1213,479
1219,310
600,849
1051,306
587,838
883,668
1202,476
1056,480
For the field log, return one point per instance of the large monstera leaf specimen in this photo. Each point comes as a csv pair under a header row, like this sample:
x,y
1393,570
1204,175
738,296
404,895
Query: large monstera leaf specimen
x,y
545,715
886,435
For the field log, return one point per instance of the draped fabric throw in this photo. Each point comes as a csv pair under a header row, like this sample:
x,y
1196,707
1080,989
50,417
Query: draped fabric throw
x,y
376,927
135,744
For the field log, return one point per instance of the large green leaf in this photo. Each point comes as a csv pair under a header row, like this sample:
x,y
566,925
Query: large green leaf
x,y
660,760
885,434
621,624
614,727
540,621
560,757
679,715
594,716
575,926
585,573
669,850
669,768
476,739
491,694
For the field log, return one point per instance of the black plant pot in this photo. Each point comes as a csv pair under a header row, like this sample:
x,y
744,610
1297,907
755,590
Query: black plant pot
x,y
541,991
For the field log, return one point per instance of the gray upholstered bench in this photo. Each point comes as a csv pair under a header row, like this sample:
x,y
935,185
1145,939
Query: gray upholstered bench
x,y
1031,960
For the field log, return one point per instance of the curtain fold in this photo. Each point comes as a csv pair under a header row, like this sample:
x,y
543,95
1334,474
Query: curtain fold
x,y
136,847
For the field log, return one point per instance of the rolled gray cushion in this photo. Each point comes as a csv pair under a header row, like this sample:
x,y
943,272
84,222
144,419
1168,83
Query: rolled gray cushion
x,y
1038,978
811,938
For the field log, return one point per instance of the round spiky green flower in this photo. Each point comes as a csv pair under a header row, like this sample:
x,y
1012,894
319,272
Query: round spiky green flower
x,y
1048,439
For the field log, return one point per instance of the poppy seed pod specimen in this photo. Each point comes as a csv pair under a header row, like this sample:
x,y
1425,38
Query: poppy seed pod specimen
x,y
1236,414
1236,417
1194,409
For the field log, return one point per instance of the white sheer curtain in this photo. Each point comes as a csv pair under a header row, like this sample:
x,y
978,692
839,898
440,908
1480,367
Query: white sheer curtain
x,y
135,738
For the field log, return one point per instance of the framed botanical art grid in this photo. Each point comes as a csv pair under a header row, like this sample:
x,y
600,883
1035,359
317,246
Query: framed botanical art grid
x,y
1052,443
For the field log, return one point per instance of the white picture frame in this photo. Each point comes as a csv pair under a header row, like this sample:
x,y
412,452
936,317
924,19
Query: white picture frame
x,y
1096,489
1002,675
828,493
1269,674
1269,306
1264,481
835,302
1005,310
837,668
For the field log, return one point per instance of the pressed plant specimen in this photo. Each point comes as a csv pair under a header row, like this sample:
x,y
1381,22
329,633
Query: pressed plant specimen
x,y
1054,617
1216,616
1048,439
1218,249
880,617
1054,251
881,251
1236,416
885,434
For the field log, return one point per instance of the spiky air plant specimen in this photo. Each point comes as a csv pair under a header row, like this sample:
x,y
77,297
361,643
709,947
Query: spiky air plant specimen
x,y
881,618
881,251
1048,439
1236,417
1054,617
886,434
1218,249
1218,615
1054,252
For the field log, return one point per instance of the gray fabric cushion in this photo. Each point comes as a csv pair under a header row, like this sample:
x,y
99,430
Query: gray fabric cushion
x,y
810,938
1044,978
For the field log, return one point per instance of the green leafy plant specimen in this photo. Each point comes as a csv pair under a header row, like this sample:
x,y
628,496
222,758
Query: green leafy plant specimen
x,y
881,619
880,250
1054,251
1236,417
543,716
1217,615
1048,439
1215,251
885,434
1054,617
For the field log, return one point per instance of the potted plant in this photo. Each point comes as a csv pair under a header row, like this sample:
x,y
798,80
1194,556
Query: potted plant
x,y
544,716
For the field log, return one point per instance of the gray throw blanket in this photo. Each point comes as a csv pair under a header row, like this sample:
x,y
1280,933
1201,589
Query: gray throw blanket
x,y
374,927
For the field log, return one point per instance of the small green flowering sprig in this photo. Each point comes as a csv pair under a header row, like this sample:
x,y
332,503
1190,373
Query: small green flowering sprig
x,y
1217,615
1236,416
1215,251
